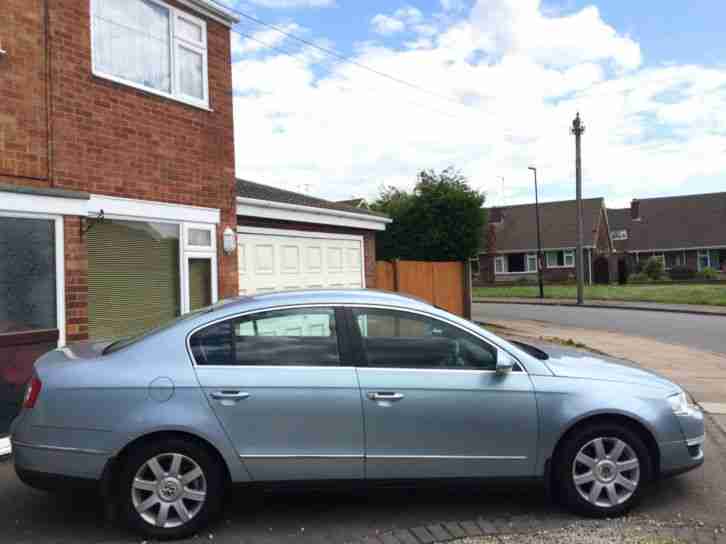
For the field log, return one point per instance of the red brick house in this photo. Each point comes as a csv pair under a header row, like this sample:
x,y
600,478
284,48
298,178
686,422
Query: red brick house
x,y
684,231
509,242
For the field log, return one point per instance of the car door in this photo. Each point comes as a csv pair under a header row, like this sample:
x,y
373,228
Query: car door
x,y
433,405
280,385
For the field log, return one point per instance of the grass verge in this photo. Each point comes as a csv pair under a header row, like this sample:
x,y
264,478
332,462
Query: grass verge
x,y
710,295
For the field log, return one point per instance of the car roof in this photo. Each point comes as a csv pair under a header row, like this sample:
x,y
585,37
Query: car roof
x,y
320,296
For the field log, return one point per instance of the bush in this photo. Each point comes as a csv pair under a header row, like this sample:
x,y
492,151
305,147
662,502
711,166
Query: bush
x,y
682,273
708,274
638,277
654,268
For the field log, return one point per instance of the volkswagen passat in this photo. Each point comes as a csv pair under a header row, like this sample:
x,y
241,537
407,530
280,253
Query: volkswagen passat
x,y
341,385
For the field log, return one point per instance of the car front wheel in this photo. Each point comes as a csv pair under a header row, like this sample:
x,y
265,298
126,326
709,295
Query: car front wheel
x,y
170,489
602,470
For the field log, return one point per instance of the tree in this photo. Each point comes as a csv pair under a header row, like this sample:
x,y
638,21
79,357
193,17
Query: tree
x,y
440,220
653,268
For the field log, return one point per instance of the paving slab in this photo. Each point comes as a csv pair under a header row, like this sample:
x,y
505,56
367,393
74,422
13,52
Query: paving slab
x,y
718,408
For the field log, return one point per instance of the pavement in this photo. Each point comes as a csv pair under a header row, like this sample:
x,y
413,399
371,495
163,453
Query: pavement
x,y
689,508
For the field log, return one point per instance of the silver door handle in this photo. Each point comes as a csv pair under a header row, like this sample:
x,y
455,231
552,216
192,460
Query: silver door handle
x,y
385,396
229,395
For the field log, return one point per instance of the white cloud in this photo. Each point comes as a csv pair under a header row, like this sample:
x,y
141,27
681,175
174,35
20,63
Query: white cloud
x,y
399,21
262,39
384,24
523,75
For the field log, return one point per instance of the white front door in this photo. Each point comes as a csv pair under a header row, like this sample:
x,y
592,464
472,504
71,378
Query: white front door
x,y
280,260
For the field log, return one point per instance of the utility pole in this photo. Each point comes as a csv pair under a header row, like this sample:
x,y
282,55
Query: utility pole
x,y
578,129
540,261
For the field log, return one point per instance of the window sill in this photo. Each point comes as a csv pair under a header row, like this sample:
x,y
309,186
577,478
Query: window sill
x,y
147,90
514,273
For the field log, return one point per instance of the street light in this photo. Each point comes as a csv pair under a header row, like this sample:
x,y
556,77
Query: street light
x,y
539,236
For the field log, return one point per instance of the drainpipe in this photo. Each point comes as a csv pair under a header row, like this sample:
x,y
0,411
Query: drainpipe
x,y
48,93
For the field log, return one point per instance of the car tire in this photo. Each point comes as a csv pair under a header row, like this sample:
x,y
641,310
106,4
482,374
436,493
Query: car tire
x,y
170,489
601,470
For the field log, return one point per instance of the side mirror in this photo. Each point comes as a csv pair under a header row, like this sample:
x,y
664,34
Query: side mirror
x,y
505,363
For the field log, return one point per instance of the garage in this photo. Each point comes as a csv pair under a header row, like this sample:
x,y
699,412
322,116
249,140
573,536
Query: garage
x,y
288,241
272,260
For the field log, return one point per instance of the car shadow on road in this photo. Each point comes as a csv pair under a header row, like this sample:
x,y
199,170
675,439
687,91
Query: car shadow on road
x,y
326,517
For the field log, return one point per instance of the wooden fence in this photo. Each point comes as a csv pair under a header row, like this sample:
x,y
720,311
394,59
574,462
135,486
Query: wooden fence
x,y
443,284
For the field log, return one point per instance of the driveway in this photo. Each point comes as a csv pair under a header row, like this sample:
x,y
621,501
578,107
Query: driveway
x,y
702,332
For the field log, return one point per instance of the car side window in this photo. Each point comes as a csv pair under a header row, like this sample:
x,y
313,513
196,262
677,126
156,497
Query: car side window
x,y
396,339
294,337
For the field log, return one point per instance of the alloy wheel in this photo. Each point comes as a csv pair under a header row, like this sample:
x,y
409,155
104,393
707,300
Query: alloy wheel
x,y
169,490
606,472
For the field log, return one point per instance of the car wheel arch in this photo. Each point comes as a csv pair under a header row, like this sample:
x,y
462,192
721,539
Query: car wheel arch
x,y
113,467
631,422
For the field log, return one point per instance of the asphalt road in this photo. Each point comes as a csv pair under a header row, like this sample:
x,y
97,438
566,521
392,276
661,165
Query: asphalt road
x,y
696,331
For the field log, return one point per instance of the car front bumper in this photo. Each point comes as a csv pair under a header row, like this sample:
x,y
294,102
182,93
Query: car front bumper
x,y
687,454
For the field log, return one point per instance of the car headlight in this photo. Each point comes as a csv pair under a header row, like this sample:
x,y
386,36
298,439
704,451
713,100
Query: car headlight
x,y
680,404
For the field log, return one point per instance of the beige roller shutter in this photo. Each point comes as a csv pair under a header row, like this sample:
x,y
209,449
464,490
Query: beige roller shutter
x,y
133,277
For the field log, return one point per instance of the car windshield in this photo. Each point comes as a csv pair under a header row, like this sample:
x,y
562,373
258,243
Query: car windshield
x,y
130,340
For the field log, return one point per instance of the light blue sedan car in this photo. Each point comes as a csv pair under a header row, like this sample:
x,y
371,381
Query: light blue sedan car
x,y
341,386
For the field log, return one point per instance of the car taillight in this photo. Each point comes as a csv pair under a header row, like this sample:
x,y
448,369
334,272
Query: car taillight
x,y
32,392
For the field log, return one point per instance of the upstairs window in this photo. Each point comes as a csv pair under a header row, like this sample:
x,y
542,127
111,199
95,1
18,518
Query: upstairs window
x,y
151,46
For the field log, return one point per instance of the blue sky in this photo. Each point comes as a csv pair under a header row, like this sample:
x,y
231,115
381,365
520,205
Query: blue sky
x,y
503,79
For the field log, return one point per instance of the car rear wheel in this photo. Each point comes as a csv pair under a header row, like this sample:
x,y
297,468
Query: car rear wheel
x,y
602,469
170,489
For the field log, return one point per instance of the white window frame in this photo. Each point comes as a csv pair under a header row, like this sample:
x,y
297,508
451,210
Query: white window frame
x,y
500,265
701,253
60,276
186,257
528,269
174,42
681,257
567,255
190,251
621,234
502,261
188,246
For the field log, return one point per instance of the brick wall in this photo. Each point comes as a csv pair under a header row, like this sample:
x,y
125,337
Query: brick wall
x,y
23,105
369,238
76,271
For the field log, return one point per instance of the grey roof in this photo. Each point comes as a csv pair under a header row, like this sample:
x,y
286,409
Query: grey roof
x,y
250,189
619,218
518,229
679,222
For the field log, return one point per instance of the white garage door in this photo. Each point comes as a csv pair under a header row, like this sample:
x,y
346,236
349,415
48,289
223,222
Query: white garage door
x,y
278,260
